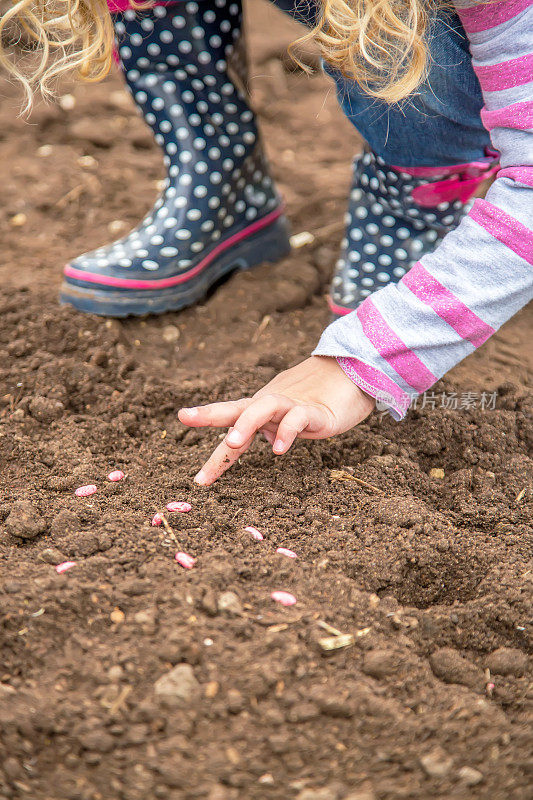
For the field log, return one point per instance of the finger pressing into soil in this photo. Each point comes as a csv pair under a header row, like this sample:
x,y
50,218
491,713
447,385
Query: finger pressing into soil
x,y
221,460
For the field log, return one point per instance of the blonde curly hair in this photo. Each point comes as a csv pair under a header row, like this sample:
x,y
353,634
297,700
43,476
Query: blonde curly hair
x,y
381,44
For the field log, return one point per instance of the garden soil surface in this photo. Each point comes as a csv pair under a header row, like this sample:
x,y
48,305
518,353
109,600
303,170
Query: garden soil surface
x,y
128,677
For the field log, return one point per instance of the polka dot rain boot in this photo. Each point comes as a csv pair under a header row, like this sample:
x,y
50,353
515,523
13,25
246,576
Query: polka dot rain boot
x,y
219,211
394,217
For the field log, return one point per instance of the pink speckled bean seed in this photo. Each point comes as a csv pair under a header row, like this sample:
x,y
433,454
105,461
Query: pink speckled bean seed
x,y
285,598
284,552
257,535
185,560
116,475
179,506
64,566
157,520
85,491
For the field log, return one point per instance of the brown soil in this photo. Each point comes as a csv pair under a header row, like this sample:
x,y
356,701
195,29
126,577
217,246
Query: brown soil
x,y
430,575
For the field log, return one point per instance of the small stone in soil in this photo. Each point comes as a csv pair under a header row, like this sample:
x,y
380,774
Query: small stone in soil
x,y
470,776
230,603
285,598
170,334
64,566
183,508
116,475
211,689
437,763
257,535
117,616
283,551
178,687
185,560
85,491
24,521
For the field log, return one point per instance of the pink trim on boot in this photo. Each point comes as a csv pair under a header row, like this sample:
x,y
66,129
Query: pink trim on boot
x,y
462,187
166,283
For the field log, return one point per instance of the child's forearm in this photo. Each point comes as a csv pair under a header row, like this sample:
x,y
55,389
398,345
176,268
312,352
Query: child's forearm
x,y
405,337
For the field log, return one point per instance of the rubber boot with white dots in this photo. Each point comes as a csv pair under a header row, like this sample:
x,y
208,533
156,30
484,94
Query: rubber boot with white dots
x,y
388,229
219,211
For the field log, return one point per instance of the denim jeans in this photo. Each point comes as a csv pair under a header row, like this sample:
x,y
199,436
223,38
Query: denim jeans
x,y
440,125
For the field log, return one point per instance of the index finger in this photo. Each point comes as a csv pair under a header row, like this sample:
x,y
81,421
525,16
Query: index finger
x,y
260,411
219,461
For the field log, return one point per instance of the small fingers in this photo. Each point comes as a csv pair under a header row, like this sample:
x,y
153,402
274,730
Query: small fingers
x,y
260,412
217,415
220,460
293,423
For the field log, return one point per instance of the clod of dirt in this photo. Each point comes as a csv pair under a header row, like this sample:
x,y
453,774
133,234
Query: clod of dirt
x,y
97,741
470,776
302,712
229,603
46,410
51,555
401,511
24,521
235,701
86,544
437,763
13,769
178,687
450,666
100,357
507,661
147,619
64,522
209,603
331,704
381,663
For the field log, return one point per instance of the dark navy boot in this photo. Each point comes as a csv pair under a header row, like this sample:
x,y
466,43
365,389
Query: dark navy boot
x,y
219,211
394,218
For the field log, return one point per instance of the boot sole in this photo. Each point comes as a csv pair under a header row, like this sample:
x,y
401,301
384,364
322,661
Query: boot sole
x,y
266,241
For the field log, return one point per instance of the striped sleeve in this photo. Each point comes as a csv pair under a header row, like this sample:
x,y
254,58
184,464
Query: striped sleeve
x,y
403,338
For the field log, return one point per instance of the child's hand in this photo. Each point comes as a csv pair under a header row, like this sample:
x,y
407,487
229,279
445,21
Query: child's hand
x,y
313,400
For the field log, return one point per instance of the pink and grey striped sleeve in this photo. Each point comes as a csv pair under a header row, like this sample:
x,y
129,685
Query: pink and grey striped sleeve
x,y
403,338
